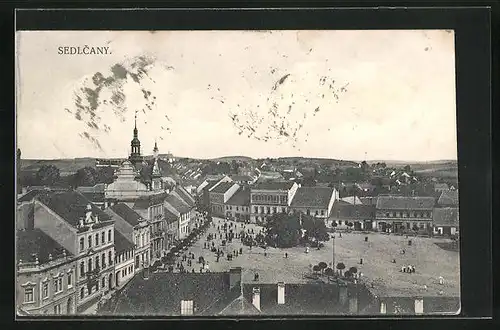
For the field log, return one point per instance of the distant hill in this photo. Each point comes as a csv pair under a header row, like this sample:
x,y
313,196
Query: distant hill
x,y
65,166
231,158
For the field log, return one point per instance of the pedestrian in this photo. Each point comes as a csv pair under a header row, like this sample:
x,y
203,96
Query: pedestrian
x,y
286,255
241,250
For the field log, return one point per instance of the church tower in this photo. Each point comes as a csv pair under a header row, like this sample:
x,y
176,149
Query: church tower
x,y
156,174
135,154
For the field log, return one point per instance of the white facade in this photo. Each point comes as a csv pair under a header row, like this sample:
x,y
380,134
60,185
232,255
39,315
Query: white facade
x,y
124,267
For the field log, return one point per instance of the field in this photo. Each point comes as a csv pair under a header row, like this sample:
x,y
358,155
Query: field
x,y
65,166
429,260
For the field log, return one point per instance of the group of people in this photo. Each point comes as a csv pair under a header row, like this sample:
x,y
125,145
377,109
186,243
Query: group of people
x,y
408,269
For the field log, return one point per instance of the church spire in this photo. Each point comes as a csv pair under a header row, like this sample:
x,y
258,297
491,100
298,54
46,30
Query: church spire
x,y
155,150
135,154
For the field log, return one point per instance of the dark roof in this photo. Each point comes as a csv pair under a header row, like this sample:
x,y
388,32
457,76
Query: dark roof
x,y
240,306
241,178
441,186
144,202
127,214
447,216
312,299
177,204
36,242
342,210
29,196
186,197
278,185
98,188
223,187
162,292
169,216
71,206
405,203
210,184
241,197
448,197
315,197
121,243
432,305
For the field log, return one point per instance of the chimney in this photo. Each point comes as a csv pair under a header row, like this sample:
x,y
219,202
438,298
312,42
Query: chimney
x,y
234,277
281,293
383,308
419,306
256,298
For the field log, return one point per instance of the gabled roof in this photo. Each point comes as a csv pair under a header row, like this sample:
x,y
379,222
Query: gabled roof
x,y
314,197
405,203
344,210
244,178
144,202
122,244
29,196
240,306
278,185
70,206
448,197
162,293
446,216
222,187
186,197
177,204
352,200
241,197
35,242
127,214
169,216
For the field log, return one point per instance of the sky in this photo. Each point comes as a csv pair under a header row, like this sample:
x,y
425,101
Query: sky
x,y
353,95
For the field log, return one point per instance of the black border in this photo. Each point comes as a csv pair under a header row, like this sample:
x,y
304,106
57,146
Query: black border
x,y
472,31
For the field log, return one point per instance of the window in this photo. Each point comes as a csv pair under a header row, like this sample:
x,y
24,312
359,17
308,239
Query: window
x,y
82,293
90,241
186,307
57,285
57,309
109,236
322,212
123,272
97,286
96,239
283,210
70,280
237,208
29,295
256,209
97,262
82,244
103,261
89,266
110,258
82,268
45,290
102,238
103,282
308,212
316,212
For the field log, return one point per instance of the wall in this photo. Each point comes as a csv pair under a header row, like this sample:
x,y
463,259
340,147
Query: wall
x,y
230,192
124,268
46,273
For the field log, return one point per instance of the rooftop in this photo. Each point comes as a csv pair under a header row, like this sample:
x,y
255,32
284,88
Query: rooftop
x,y
223,187
241,197
34,242
241,178
127,214
446,216
145,202
71,206
122,244
161,294
405,203
278,185
186,197
177,204
342,210
448,197
169,216
315,197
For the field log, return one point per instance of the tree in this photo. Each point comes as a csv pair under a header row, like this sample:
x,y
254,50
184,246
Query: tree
x,y
316,269
86,177
347,274
315,228
105,175
407,168
322,266
283,230
329,272
340,267
364,166
309,182
350,224
353,270
48,175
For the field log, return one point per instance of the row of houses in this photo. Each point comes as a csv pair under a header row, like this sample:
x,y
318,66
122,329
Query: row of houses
x,y
388,213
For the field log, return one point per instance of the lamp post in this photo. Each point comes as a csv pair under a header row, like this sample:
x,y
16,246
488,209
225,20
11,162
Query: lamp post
x,y
333,252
